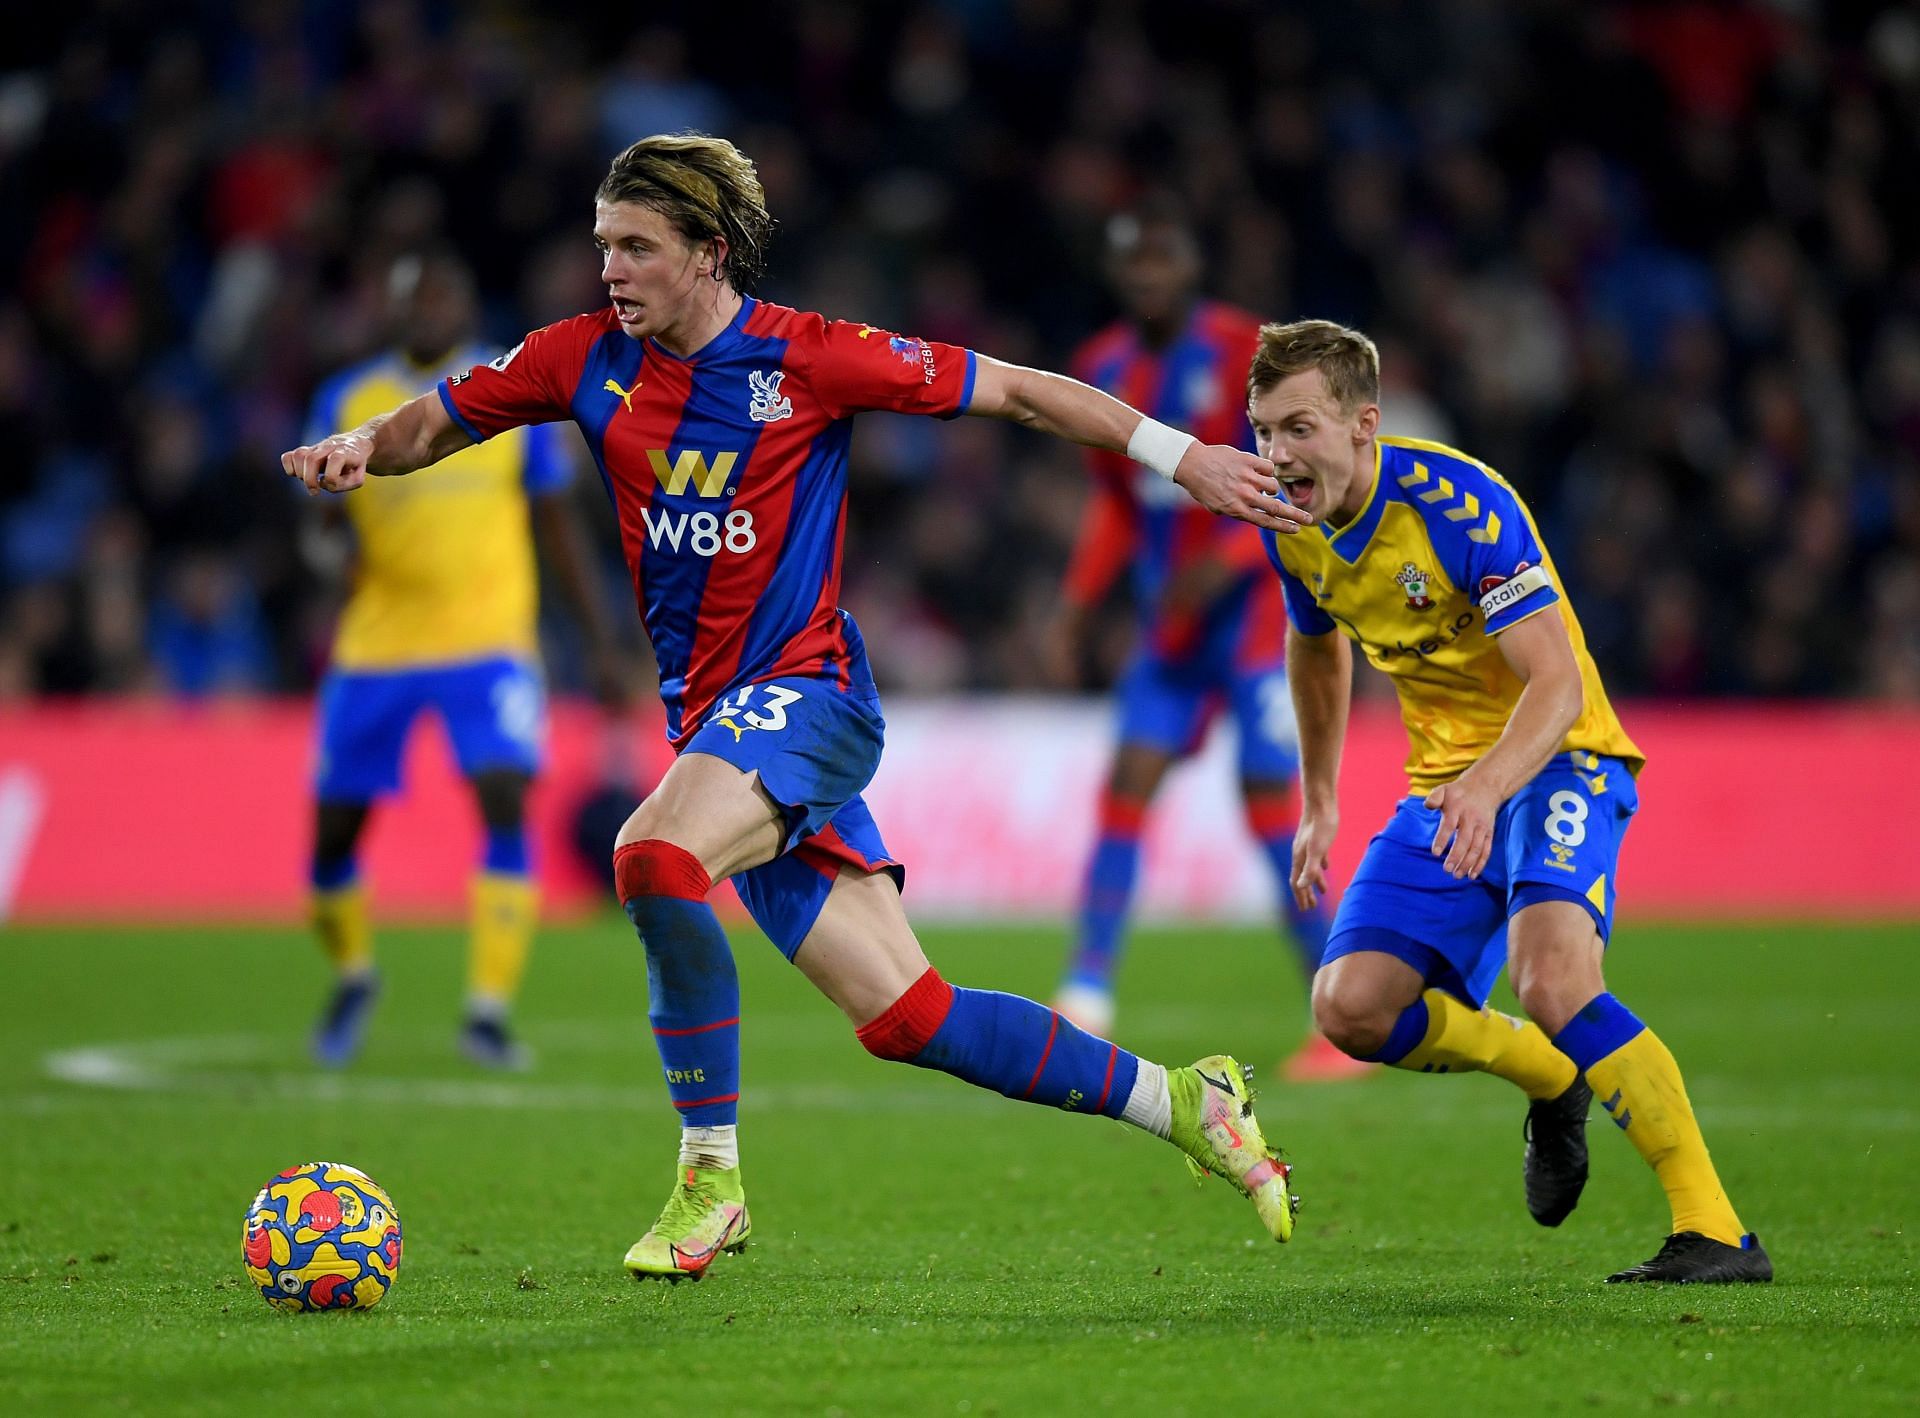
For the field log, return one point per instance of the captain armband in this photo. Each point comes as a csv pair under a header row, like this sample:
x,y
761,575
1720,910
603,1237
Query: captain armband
x,y
1513,590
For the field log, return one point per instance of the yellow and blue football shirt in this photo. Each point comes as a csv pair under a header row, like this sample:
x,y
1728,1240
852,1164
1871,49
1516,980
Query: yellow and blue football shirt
x,y
446,569
1443,556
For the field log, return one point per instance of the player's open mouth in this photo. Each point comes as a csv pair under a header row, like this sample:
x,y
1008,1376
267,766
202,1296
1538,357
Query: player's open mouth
x,y
626,309
1298,490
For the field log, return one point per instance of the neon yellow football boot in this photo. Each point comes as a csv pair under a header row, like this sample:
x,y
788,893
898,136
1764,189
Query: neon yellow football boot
x,y
1213,1123
705,1218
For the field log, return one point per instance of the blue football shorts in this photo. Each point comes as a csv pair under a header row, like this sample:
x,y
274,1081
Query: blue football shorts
x,y
1557,839
814,747
1169,706
495,711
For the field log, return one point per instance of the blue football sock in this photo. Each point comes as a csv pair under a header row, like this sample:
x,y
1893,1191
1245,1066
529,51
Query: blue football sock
x,y
1306,929
1107,896
693,1004
331,874
1408,1030
507,851
1026,1051
1602,1026
1273,814
693,990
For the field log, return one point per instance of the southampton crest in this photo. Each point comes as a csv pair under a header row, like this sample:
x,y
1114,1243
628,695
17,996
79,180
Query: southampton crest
x,y
1413,581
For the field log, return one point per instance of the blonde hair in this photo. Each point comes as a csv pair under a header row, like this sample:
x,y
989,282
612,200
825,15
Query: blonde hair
x,y
706,188
1346,359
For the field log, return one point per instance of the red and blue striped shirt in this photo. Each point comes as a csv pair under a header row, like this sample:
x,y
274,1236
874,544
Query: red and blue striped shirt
x,y
728,469
1140,522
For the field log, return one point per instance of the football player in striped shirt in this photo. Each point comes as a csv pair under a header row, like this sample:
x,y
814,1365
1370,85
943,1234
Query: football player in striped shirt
x,y
1211,629
720,424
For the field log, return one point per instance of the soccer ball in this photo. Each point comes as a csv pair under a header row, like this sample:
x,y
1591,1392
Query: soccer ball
x,y
322,1236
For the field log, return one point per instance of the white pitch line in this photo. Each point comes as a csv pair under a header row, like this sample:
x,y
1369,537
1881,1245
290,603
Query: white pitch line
x,y
245,1068
167,1066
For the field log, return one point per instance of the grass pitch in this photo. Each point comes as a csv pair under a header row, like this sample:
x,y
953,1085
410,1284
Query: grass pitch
x,y
919,1247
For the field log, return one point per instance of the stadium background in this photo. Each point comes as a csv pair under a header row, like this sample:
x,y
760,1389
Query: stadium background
x,y
1659,263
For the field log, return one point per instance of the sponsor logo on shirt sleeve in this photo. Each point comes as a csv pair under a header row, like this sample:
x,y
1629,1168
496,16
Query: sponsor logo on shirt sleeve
x,y
913,351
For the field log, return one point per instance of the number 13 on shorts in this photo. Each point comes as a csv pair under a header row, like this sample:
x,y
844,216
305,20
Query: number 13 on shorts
x,y
736,709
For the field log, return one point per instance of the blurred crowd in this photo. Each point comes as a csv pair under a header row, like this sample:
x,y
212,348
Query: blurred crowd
x,y
1655,262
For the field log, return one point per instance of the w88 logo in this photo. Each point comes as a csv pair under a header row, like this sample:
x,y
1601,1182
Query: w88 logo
x,y
703,533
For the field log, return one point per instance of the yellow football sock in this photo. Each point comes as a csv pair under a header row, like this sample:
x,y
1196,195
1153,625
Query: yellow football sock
x,y
1460,1039
506,909
1639,1085
339,919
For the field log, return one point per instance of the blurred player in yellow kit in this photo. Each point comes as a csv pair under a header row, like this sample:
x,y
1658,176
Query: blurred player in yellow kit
x,y
442,616
1521,788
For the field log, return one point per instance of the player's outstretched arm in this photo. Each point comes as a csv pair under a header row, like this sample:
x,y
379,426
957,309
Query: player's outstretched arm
x,y
1320,675
1538,651
416,435
1222,479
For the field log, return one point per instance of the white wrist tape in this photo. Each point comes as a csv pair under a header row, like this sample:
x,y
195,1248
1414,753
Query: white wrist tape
x,y
1159,446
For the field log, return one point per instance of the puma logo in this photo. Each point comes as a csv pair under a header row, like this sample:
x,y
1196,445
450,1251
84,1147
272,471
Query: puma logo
x,y
626,395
